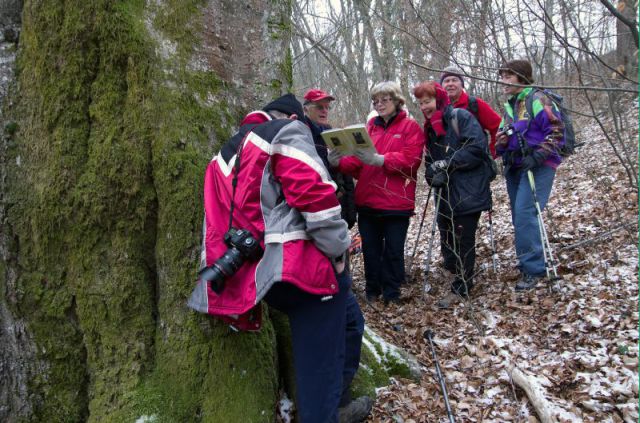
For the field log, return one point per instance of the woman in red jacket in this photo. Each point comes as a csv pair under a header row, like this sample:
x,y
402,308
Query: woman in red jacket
x,y
385,192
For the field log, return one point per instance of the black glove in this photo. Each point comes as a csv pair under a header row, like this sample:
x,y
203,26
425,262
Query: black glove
x,y
439,179
532,161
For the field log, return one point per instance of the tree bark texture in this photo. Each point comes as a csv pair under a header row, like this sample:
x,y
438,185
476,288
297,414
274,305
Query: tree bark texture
x,y
116,110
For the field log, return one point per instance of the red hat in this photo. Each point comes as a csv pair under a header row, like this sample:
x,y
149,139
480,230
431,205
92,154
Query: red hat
x,y
315,94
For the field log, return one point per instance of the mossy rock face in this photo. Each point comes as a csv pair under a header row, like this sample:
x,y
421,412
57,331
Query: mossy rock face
x,y
117,110
381,361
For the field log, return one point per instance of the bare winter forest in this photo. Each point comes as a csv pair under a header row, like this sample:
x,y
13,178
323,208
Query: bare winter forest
x,y
567,351
110,112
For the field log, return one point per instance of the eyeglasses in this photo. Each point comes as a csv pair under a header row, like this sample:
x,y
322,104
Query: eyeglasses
x,y
326,107
381,100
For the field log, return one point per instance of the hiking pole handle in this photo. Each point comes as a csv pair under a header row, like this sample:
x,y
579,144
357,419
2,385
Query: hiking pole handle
x,y
428,335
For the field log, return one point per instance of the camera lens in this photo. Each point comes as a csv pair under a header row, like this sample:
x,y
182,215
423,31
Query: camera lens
x,y
214,276
230,262
223,268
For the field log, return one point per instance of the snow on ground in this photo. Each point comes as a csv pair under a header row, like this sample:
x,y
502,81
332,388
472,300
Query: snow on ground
x,y
577,341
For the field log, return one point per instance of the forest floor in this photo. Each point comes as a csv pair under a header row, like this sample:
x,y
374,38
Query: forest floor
x,y
575,342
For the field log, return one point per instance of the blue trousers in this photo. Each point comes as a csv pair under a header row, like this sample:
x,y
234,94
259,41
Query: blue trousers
x,y
524,215
326,333
383,252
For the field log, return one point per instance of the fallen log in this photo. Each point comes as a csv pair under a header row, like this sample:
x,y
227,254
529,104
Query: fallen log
x,y
536,394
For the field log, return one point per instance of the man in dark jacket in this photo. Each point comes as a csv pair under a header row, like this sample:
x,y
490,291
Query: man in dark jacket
x,y
317,105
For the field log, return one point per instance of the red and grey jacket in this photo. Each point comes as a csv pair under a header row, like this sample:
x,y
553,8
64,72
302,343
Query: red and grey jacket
x,y
392,187
286,199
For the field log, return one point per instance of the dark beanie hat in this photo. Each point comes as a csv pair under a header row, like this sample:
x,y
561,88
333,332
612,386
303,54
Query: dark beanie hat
x,y
452,71
287,104
520,68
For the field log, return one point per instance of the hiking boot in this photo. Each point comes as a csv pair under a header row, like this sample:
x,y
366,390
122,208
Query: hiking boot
x,y
448,300
527,282
396,300
356,411
372,297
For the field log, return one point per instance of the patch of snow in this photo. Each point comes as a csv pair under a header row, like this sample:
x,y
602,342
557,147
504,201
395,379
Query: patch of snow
x,y
286,408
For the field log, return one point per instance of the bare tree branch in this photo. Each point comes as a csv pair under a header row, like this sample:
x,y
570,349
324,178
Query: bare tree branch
x,y
551,87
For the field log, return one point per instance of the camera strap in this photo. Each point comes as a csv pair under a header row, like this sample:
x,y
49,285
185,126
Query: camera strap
x,y
234,182
245,130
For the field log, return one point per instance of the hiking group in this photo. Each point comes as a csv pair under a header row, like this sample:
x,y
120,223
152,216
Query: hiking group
x,y
279,205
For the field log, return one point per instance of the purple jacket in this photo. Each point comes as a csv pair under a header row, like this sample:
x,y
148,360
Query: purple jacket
x,y
544,134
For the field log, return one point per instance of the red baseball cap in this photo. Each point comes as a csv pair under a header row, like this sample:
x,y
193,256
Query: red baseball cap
x,y
315,94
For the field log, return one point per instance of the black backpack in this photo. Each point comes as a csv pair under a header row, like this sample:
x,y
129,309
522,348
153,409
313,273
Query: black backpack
x,y
473,106
569,146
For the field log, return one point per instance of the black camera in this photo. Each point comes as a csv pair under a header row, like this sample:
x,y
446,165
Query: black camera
x,y
242,246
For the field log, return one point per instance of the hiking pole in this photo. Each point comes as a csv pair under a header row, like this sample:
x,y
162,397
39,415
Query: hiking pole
x,y
428,335
546,246
494,255
427,285
415,246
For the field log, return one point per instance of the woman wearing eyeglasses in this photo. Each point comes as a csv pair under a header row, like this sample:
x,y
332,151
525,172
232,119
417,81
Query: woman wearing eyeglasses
x,y
385,191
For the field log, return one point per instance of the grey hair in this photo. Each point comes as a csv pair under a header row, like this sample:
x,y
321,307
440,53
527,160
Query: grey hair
x,y
389,88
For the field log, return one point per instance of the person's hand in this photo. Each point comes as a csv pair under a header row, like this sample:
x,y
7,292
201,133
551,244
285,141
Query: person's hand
x,y
334,157
502,139
439,165
339,263
369,156
439,179
532,161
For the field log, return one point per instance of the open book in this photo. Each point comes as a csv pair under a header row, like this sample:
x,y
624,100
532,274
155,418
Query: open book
x,y
348,139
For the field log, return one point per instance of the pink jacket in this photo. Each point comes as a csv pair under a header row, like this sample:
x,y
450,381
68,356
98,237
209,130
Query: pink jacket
x,y
286,199
393,186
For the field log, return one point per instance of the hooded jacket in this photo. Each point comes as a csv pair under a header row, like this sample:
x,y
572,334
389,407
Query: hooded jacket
x,y
391,188
286,199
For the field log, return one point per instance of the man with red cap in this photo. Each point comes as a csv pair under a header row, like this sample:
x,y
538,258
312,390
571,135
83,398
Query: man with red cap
x,y
452,81
317,104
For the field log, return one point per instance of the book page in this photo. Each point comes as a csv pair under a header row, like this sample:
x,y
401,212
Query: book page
x,y
348,140
359,137
335,139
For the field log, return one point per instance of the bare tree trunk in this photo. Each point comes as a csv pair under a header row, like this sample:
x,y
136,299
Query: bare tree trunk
x,y
627,36
547,54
